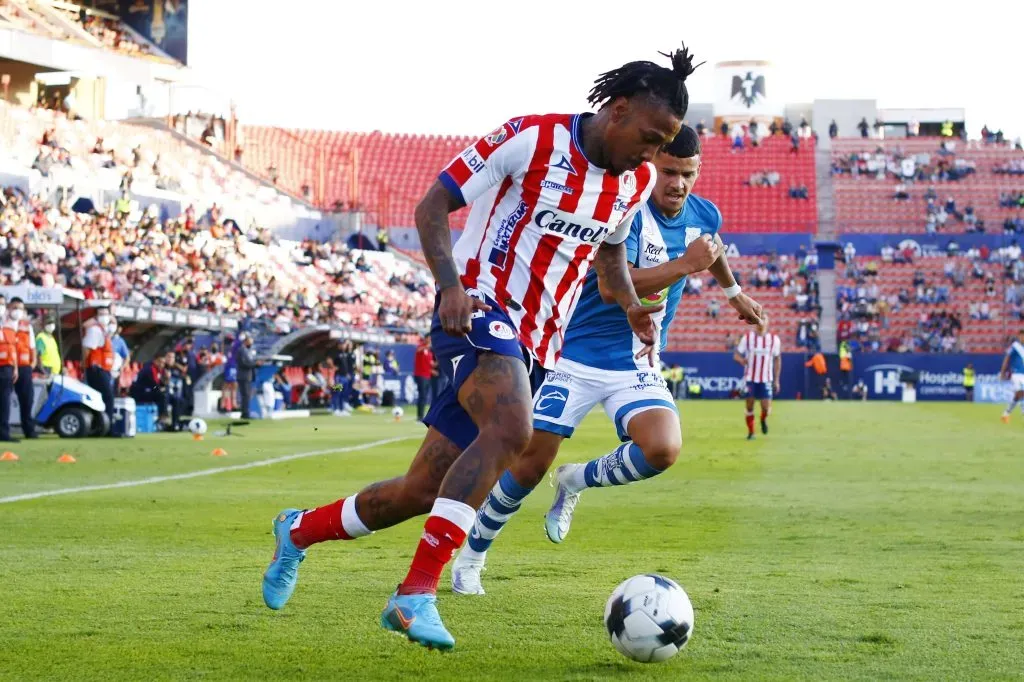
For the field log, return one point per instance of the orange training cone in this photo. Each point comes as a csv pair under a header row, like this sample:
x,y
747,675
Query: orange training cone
x,y
66,459
220,452
9,457
197,436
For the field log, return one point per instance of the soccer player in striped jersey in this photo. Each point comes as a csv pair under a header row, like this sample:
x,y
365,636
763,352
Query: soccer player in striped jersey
x,y
674,235
549,195
760,353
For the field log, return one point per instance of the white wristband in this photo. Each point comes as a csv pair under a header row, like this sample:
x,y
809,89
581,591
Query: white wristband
x,y
732,292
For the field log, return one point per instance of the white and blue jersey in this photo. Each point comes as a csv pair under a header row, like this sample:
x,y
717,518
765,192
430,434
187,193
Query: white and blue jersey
x,y
599,334
1016,354
598,363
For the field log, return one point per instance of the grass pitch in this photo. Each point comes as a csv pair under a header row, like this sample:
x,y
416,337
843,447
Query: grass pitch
x,y
856,541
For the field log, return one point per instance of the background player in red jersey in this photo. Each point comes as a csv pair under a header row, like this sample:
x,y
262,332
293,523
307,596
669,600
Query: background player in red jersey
x,y
550,194
761,354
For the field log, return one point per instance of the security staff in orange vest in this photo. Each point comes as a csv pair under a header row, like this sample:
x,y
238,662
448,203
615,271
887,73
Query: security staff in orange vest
x,y
8,372
25,350
99,357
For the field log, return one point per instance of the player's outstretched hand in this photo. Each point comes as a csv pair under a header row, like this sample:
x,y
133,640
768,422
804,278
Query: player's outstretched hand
x,y
643,326
456,311
701,253
750,310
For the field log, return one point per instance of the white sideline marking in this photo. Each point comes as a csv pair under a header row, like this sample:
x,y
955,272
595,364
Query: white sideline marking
x,y
201,472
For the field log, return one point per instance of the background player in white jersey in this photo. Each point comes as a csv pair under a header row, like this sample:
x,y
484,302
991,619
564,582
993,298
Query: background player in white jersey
x,y
1013,370
550,194
760,353
673,236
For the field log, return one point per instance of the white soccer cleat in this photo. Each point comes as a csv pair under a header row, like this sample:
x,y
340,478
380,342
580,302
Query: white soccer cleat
x,y
466,575
559,517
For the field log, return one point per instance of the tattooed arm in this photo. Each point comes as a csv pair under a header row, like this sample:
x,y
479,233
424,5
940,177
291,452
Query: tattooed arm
x,y
456,307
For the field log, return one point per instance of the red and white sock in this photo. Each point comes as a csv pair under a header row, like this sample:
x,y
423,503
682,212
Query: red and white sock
x,y
443,533
334,521
750,422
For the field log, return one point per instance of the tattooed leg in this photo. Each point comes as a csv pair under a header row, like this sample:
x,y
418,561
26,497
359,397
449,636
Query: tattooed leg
x,y
388,503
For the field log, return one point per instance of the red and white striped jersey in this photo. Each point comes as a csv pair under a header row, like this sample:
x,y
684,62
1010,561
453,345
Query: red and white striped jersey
x,y
539,211
760,352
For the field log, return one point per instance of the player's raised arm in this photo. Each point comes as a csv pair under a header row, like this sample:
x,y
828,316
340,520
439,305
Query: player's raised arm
x,y
749,310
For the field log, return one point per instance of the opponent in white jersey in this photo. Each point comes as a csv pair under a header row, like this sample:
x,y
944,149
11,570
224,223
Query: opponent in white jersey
x,y
674,235
760,353
550,194
1013,370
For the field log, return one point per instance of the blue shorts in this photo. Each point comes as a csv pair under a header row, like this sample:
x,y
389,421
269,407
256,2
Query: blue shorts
x,y
231,374
759,390
492,332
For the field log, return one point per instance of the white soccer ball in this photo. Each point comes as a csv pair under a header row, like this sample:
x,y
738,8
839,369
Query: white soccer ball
x,y
397,412
197,425
649,618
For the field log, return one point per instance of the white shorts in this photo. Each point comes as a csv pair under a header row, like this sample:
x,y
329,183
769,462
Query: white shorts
x,y
1017,380
571,390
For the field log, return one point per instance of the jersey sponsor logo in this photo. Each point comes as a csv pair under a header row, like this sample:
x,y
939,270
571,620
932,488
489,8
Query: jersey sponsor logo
x,y
647,380
473,160
551,401
431,540
499,250
653,250
548,184
555,377
497,136
552,221
500,330
565,165
475,293
621,206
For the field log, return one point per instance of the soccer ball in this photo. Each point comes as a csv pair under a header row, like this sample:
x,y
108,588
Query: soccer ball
x,y
197,426
397,412
649,618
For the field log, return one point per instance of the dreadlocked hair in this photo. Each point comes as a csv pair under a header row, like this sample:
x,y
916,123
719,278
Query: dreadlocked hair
x,y
643,77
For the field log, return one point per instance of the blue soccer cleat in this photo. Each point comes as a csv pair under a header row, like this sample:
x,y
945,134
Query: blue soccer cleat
x,y
283,572
416,616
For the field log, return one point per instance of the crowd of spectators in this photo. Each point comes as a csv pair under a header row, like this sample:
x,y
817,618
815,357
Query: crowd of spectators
x,y
205,262
893,163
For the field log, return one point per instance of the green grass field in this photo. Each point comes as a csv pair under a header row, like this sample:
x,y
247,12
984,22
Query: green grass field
x,y
857,541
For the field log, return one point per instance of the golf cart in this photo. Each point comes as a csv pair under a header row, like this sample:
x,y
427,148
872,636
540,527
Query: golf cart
x,y
66,405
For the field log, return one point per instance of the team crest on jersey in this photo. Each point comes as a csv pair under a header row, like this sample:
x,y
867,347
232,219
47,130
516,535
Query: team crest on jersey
x,y
497,136
628,182
500,330
564,164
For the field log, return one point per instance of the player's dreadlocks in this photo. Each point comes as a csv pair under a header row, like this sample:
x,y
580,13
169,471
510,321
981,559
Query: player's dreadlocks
x,y
668,85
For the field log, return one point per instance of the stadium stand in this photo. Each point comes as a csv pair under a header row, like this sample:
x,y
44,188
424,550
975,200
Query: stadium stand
x,y
386,174
959,302
78,25
785,286
868,174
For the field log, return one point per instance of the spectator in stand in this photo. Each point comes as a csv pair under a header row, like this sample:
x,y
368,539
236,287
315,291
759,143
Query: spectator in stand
x,y
864,127
712,309
833,129
913,128
900,192
122,354
230,387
